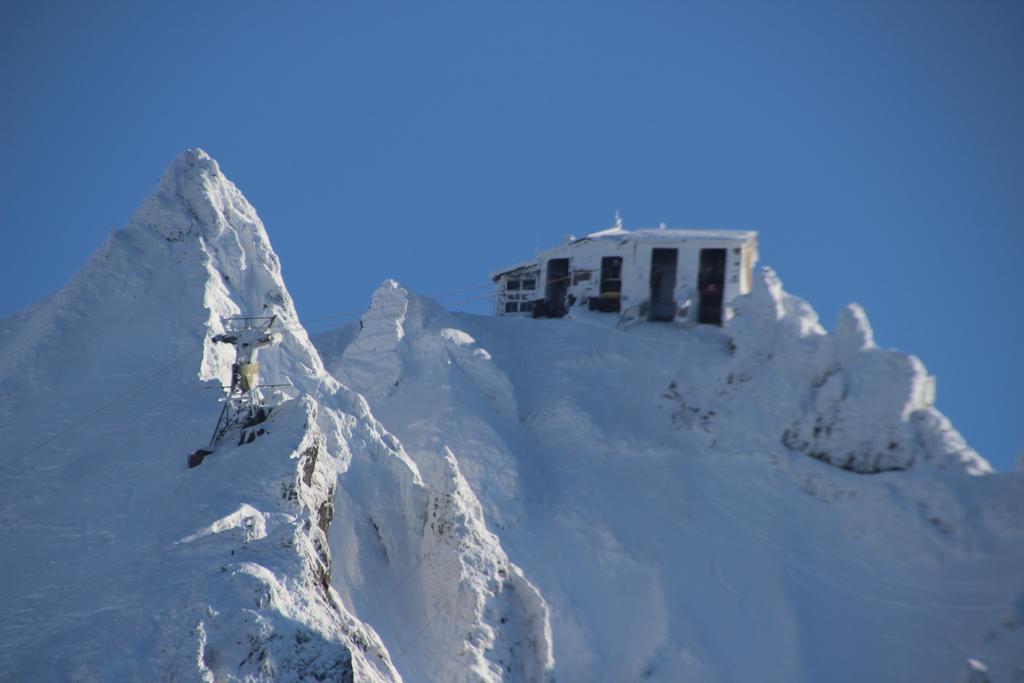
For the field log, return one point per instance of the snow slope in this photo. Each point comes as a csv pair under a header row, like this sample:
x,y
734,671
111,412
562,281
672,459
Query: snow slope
x,y
513,499
122,564
765,502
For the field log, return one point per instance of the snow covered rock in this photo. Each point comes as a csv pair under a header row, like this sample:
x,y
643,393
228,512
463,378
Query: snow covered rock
x,y
462,612
1005,635
371,364
259,598
852,333
851,404
513,637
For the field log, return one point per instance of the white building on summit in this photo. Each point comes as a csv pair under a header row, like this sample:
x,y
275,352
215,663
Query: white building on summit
x,y
655,274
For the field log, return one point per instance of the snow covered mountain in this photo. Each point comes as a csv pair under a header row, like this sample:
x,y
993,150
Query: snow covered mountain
x,y
120,563
764,502
503,499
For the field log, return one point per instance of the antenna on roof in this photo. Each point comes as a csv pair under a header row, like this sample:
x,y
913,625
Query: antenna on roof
x,y
618,220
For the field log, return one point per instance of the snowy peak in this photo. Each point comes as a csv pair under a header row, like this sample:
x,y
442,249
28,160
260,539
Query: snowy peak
x,y
196,205
239,545
197,227
193,197
248,598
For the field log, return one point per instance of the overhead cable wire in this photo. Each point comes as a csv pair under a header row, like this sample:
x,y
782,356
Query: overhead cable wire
x,y
309,322
107,404
288,326
458,291
419,563
442,607
469,300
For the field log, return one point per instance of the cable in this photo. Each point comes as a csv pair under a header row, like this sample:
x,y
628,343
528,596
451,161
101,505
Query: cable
x,y
103,406
343,314
469,300
457,291
404,649
308,323
419,563
298,324
305,324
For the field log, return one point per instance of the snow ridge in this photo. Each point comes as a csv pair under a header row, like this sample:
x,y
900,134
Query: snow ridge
x,y
403,335
272,560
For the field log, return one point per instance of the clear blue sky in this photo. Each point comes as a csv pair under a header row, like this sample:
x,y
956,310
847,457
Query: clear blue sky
x,y
877,147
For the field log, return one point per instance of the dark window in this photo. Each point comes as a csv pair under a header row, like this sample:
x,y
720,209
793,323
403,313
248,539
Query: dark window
x,y
526,306
663,284
511,307
530,284
611,284
557,287
710,286
513,285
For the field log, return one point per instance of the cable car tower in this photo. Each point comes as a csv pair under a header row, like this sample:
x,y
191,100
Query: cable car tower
x,y
243,403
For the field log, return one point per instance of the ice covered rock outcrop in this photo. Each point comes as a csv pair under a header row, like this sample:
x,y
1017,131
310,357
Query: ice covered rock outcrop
x,y
512,638
371,363
848,402
453,607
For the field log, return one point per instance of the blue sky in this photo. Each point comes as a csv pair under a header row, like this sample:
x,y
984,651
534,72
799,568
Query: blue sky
x,y
877,147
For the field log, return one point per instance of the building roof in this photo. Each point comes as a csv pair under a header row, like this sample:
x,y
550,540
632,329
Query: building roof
x,y
514,267
621,235
667,234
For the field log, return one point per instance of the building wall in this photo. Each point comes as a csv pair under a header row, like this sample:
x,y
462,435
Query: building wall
x,y
522,297
585,268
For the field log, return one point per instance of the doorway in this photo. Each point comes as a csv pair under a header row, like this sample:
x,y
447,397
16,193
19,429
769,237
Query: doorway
x,y
610,299
556,287
663,284
711,286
